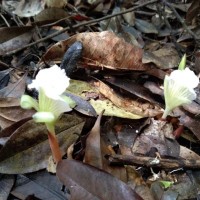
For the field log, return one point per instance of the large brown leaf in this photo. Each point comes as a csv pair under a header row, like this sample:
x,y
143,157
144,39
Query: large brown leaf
x,y
28,150
87,182
11,112
102,50
96,149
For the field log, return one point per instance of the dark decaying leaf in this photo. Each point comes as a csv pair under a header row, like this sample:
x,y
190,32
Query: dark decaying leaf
x,y
164,58
8,33
82,105
145,26
11,112
15,43
136,182
50,14
87,182
28,149
6,184
157,135
193,11
15,90
93,154
4,78
96,149
191,123
126,132
133,88
23,8
101,50
42,184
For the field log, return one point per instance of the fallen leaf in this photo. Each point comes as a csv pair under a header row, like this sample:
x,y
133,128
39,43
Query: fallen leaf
x,y
15,90
6,184
101,50
82,105
42,184
83,180
8,33
138,107
96,149
134,88
145,27
11,112
93,155
157,135
15,43
136,182
50,15
193,11
23,8
4,78
30,141
164,58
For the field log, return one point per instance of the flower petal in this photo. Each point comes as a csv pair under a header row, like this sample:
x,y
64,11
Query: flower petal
x,y
52,80
185,77
176,94
27,102
57,107
46,117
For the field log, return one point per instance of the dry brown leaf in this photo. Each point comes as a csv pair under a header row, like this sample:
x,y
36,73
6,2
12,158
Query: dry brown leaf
x,y
95,152
87,182
11,112
157,135
134,106
101,50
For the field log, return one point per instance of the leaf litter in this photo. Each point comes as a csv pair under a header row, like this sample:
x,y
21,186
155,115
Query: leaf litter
x,y
120,69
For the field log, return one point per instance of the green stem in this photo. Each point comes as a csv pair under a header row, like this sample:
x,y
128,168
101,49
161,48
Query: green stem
x,y
166,112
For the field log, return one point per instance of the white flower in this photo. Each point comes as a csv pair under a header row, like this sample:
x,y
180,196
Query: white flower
x,y
52,80
179,89
51,84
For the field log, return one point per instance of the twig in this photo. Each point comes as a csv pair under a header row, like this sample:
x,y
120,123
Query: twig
x,y
181,20
148,162
4,19
81,24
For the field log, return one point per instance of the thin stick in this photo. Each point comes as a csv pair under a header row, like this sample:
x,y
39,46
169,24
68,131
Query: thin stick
x,y
79,25
181,20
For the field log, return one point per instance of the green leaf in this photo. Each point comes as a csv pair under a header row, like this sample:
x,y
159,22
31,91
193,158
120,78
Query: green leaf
x,y
166,184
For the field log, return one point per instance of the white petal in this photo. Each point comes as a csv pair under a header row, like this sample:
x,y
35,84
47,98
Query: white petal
x,y
56,107
44,117
185,77
176,94
52,80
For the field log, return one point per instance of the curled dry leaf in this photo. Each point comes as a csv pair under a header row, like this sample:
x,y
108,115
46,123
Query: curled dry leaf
x,y
101,50
130,105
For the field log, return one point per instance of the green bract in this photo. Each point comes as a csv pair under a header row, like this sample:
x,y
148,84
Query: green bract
x,y
179,89
51,83
182,64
